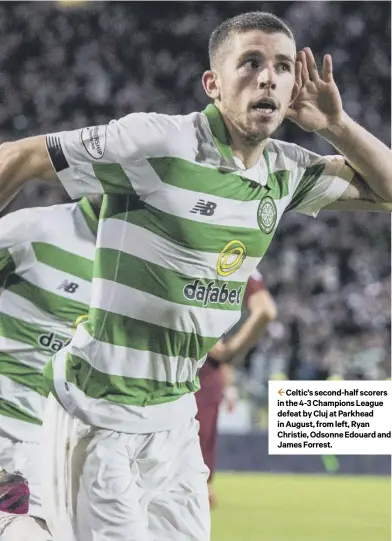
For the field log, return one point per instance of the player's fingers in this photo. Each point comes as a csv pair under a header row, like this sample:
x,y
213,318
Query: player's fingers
x,y
298,73
295,93
301,58
327,69
312,66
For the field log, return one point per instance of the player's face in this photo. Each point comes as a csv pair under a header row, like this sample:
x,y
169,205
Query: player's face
x,y
256,82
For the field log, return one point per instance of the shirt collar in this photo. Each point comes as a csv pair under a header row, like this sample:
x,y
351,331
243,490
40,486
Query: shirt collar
x,y
222,137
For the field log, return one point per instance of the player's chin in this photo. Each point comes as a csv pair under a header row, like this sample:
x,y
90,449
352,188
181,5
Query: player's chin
x,y
260,133
266,128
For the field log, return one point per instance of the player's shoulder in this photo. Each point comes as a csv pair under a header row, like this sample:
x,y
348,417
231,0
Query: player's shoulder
x,y
23,218
33,223
289,155
158,134
162,122
38,214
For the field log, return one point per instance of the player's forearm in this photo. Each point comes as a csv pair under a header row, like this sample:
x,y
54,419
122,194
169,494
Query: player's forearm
x,y
245,338
367,154
250,332
21,161
228,375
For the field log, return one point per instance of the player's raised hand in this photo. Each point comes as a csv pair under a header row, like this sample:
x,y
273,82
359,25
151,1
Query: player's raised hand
x,y
318,104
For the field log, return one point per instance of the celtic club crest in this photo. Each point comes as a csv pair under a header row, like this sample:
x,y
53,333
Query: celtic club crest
x,y
267,214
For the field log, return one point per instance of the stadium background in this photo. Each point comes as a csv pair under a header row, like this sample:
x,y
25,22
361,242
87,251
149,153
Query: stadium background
x,y
66,65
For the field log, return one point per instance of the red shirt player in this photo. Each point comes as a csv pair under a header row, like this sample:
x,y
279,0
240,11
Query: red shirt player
x,y
258,310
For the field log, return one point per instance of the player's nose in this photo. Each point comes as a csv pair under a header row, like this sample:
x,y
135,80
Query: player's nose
x,y
267,77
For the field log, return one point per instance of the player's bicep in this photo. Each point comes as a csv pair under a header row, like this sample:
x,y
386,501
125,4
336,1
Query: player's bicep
x,y
359,196
21,161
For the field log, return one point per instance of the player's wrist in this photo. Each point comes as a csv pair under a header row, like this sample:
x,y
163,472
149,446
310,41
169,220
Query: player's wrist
x,y
336,128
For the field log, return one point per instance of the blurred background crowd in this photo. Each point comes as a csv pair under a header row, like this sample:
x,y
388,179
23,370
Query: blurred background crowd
x,y
67,65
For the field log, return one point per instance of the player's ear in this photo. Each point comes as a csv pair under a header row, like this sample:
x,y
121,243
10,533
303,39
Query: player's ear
x,y
210,83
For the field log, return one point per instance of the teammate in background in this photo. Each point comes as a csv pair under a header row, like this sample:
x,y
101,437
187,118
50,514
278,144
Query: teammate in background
x,y
46,264
194,201
217,375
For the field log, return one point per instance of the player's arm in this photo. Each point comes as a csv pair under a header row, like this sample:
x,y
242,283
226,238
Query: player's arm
x,y
359,196
371,161
21,161
107,159
318,108
262,310
230,392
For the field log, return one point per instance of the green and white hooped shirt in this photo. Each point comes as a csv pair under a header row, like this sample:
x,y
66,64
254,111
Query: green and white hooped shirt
x,y
46,265
181,229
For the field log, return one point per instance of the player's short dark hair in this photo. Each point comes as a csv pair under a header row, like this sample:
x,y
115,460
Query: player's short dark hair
x,y
254,20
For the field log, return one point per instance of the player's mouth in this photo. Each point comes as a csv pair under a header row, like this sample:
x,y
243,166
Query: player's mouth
x,y
266,108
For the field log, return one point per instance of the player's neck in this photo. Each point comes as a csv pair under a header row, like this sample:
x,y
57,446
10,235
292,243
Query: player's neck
x,y
249,155
249,152
243,147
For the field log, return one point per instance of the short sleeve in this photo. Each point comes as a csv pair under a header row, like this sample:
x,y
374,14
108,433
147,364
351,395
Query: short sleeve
x,y
113,159
323,180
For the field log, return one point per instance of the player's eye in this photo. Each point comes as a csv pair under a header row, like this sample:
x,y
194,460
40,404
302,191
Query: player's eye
x,y
252,63
283,67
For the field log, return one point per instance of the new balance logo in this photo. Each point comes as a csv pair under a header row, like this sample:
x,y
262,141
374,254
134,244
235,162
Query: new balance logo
x,y
206,208
68,287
